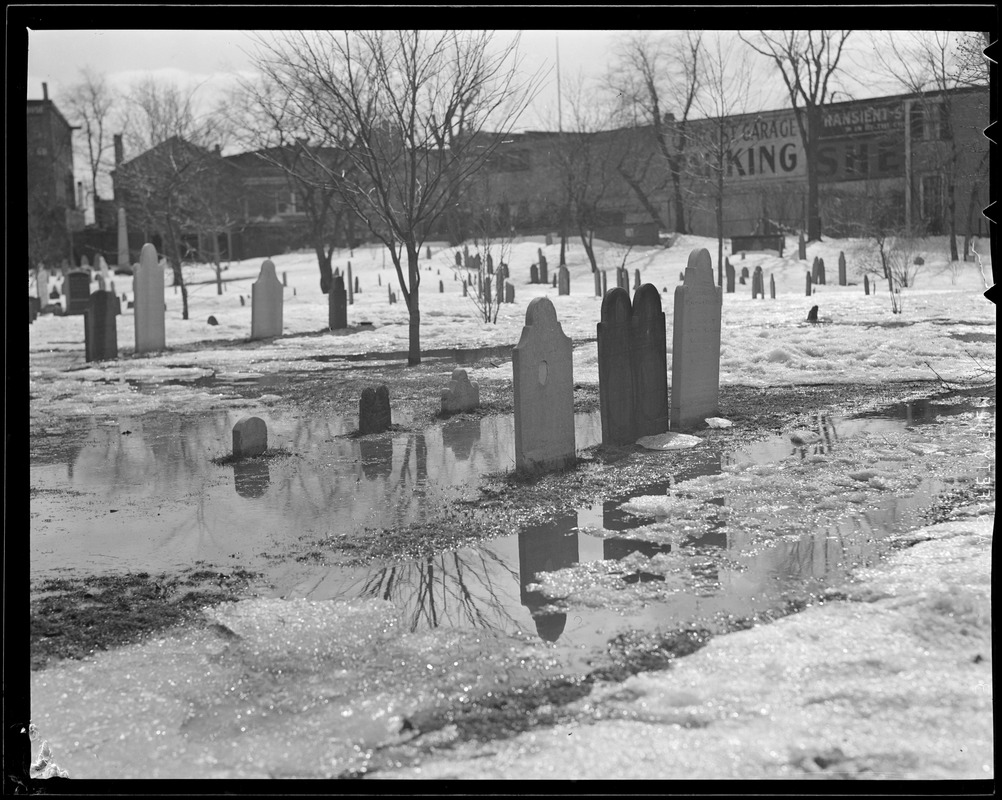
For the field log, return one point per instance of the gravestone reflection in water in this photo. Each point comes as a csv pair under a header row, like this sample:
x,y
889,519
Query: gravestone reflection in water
x,y
251,478
695,368
460,435
542,371
377,457
546,548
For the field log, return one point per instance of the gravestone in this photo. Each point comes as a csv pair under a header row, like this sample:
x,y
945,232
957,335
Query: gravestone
x,y
285,279
350,286
533,274
808,284
814,270
615,371
148,302
337,305
636,279
212,320
374,410
461,394
464,288
77,291
427,253
542,266
812,315
695,369
389,293
459,259
866,284
486,290
841,268
542,371
490,264
476,261
623,278
549,239
499,285
681,277
802,247
243,303
100,331
772,286
598,283
604,282
554,281
564,281
758,284
466,256
509,292
250,437
649,361
42,287
102,268
33,307
744,272
729,269
358,289
266,303
821,272
441,287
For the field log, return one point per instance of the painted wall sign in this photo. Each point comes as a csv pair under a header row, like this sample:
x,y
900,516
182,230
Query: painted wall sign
x,y
874,118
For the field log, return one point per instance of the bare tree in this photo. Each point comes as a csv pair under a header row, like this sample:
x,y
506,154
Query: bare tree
x,y
411,109
96,108
808,62
656,79
265,121
177,185
725,92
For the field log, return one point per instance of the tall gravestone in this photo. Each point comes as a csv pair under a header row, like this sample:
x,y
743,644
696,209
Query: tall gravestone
x,y
542,371
542,266
649,362
802,247
350,287
758,284
337,308
821,272
100,330
814,270
623,278
809,282
509,292
77,291
490,264
729,270
533,274
459,259
563,281
636,279
866,284
148,302
695,369
466,256
42,287
123,239
104,276
374,410
615,370
841,269
554,281
605,284
772,286
266,303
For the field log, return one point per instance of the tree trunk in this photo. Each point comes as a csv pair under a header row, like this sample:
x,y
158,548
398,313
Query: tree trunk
x,y
676,180
813,197
413,306
720,211
589,249
175,259
642,197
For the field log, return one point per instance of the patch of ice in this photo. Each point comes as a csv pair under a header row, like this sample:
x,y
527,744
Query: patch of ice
x,y
668,441
719,422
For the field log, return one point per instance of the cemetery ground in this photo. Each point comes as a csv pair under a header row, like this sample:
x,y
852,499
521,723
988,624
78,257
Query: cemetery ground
x,y
806,593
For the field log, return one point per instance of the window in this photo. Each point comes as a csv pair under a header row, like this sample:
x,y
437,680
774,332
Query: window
x,y
943,113
286,203
916,120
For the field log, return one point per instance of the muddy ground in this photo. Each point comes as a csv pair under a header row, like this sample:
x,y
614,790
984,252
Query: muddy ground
x,y
71,617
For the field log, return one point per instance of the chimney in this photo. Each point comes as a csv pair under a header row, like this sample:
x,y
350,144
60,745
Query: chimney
x,y
45,91
119,155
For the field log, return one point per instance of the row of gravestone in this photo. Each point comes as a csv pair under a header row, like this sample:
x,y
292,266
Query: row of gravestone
x,y
632,374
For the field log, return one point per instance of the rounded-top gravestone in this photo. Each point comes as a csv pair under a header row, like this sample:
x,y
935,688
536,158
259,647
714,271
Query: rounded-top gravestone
x,y
374,410
250,437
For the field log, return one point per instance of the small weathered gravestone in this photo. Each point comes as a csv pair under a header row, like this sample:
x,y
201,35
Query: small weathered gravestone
x,y
509,292
841,268
729,274
554,281
772,286
549,239
814,270
564,281
744,273
212,320
77,291
812,315
866,284
802,247
461,394
695,369
533,274
542,371
374,410
758,284
148,291
100,331
250,437
350,286
809,282
266,303
337,305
